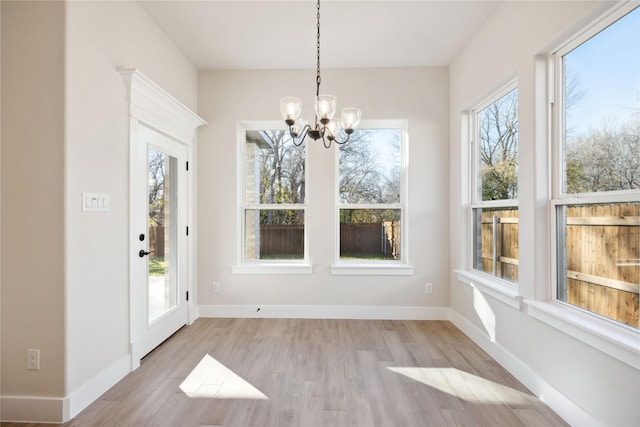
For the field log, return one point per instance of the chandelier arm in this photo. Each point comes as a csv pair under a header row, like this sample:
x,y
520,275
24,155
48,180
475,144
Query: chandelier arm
x,y
324,140
337,141
299,137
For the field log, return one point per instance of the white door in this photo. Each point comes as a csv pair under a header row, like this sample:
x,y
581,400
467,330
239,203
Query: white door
x,y
158,242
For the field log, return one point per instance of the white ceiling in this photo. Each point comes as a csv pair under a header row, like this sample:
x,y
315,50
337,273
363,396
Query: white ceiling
x,y
267,34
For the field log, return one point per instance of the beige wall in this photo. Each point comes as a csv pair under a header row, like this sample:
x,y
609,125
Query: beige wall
x,y
419,95
33,162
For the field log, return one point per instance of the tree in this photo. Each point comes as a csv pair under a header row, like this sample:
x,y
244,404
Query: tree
x,y
605,159
367,176
157,169
499,148
360,179
282,177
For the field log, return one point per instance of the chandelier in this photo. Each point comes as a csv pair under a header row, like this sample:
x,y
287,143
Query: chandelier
x,y
326,127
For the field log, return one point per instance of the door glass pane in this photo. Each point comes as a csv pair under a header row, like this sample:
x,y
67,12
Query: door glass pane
x,y
162,229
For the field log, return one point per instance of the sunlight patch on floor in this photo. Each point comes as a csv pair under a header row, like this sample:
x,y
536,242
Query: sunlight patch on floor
x,y
464,385
211,379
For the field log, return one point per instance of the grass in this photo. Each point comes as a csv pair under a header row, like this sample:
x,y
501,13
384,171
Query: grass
x,y
156,266
366,257
281,256
344,257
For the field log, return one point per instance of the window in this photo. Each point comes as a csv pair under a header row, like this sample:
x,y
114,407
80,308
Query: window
x,y
495,185
596,197
370,197
274,210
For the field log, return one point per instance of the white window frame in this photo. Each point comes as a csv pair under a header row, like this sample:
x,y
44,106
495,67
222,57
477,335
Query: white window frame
x,y
613,338
399,267
246,266
504,290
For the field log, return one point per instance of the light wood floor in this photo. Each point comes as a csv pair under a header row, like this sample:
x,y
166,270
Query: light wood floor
x,y
293,372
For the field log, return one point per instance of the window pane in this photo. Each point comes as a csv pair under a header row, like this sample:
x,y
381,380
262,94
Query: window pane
x,y
370,167
599,259
498,149
274,234
274,168
496,242
370,234
602,110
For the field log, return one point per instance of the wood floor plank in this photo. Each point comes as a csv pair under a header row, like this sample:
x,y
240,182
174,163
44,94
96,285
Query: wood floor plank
x,y
381,405
316,373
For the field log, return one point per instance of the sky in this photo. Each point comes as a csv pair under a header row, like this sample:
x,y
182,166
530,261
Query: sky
x,y
607,67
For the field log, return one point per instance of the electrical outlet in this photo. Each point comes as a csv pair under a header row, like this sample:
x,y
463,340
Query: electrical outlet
x,y
215,288
33,359
428,288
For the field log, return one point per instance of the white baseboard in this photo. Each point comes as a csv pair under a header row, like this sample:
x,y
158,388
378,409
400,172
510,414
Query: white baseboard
x,y
558,402
34,409
85,395
325,312
50,410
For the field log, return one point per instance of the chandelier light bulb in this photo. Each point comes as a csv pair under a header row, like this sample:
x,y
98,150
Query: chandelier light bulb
x,y
333,127
325,108
350,118
290,108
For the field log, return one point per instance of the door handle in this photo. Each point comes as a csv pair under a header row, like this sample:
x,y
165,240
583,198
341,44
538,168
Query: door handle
x,y
143,253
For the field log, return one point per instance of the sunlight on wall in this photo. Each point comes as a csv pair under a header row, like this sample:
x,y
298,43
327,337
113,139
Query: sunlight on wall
x,y
486,315
211,379
464,385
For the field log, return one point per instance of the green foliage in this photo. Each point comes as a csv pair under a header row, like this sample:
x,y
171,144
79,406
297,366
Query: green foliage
x,y
369,215
281,216
500,181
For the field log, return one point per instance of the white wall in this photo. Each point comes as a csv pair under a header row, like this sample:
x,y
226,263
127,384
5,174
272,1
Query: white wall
x,y
225,97
65,272
102,37
605,389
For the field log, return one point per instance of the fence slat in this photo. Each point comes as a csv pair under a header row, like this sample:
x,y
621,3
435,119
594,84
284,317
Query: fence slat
x,y
603,281
606,220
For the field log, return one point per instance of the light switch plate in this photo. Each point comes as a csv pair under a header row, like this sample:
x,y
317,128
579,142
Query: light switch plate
x,y
94,202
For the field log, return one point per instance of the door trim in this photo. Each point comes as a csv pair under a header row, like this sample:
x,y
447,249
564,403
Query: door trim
x,y
153,107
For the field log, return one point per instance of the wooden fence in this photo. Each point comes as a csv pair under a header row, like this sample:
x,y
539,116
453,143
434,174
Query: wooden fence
x,y
602,250
281,239
373,239
501,258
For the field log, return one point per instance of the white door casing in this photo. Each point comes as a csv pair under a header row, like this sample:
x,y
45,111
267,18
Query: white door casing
x,y
154,110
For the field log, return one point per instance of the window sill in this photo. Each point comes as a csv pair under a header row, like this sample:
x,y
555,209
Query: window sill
x,y
616,340
272,268
499,289
364,269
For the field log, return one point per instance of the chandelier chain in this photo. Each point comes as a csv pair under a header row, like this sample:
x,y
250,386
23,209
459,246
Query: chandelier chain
x,y
318,79
325,125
